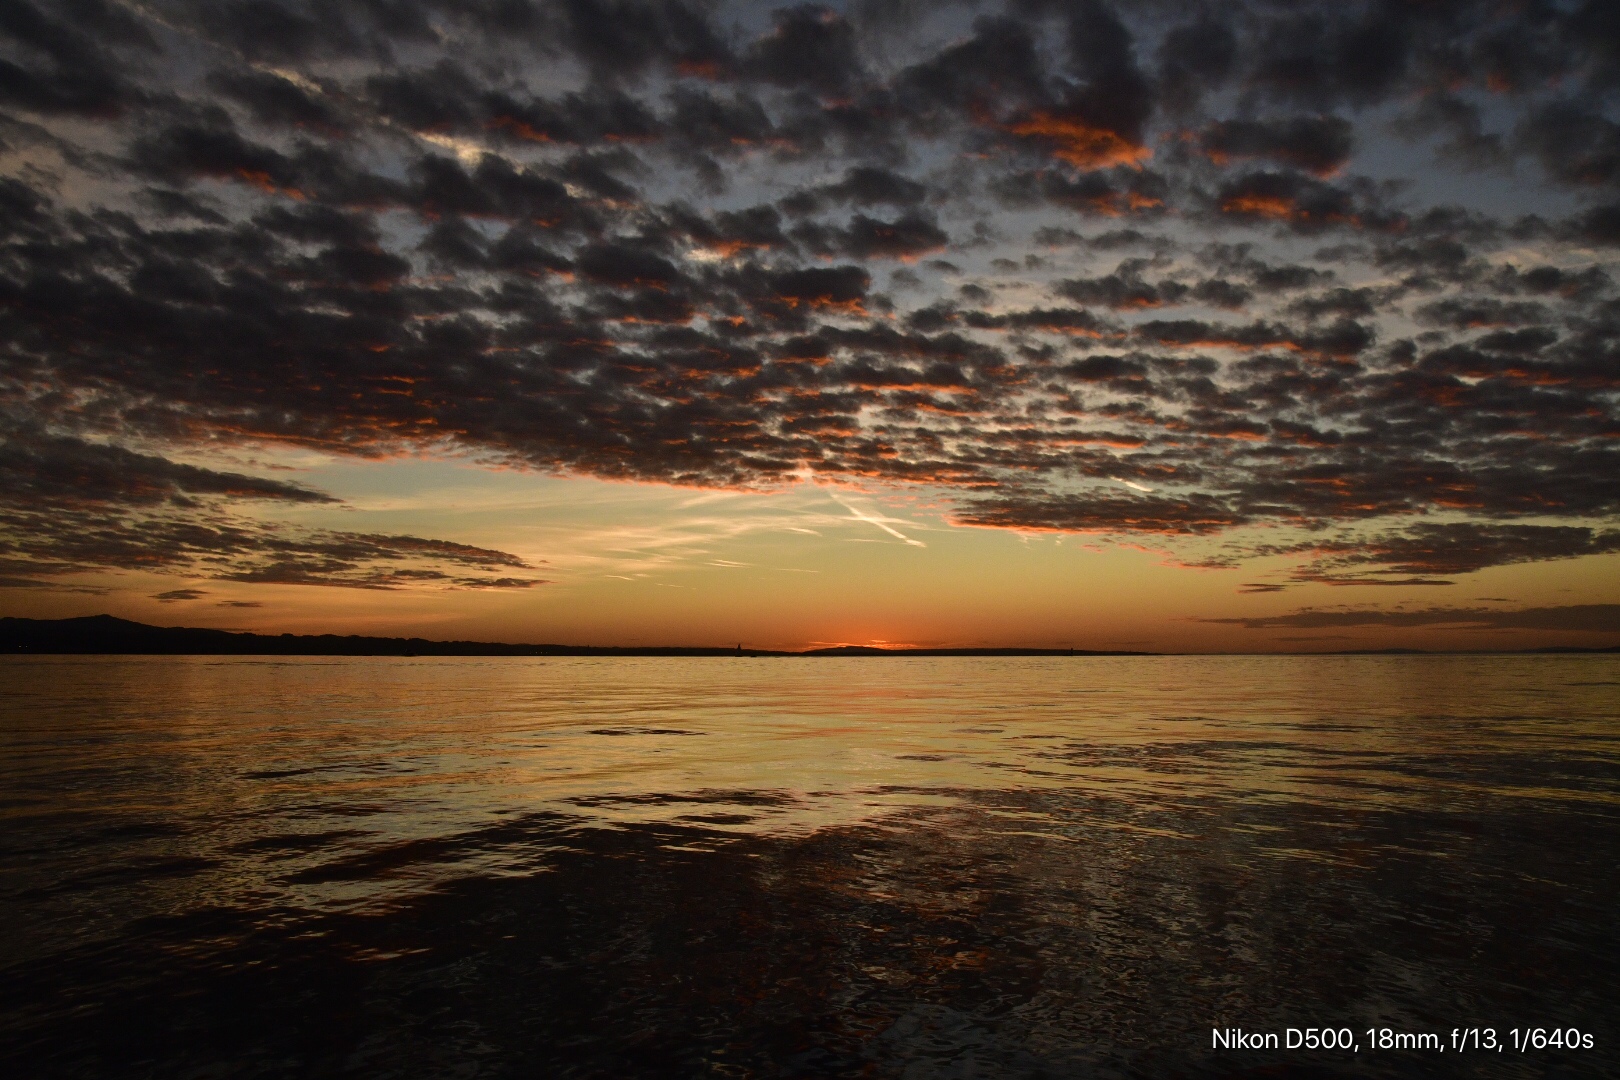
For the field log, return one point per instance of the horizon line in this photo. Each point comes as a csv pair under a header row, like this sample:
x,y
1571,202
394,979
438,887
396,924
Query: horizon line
x,y
110,635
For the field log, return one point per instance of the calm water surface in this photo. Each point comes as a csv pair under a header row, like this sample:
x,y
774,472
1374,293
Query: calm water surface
x,y
812,868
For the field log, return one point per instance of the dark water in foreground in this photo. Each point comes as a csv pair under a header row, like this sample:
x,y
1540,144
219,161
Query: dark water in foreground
x,y
811,868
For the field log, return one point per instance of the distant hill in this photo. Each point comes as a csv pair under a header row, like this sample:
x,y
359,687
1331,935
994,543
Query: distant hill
x,y
108,634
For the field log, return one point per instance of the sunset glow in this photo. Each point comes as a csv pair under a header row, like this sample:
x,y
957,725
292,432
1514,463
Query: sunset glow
x,y
1047,326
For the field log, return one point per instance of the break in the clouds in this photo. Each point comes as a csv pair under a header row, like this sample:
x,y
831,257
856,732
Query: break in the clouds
x,y
1169,269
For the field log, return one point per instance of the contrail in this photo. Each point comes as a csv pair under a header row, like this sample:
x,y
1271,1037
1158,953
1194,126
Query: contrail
x,y
881,523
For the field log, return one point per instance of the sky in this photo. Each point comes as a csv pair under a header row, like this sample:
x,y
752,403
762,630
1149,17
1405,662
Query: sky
x,y
1162,326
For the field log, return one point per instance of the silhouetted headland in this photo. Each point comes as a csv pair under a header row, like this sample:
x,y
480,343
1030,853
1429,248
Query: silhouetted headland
x,y
108,634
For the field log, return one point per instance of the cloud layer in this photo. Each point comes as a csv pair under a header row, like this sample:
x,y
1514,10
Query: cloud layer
x,y
1022,253
1599,618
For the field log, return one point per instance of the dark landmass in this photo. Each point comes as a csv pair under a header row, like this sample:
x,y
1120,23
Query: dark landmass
x,y
107,634
1465,652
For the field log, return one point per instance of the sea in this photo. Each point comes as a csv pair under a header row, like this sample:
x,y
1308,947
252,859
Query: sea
x,y
953,867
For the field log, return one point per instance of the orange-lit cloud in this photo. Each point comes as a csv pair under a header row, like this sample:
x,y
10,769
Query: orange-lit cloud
x,y
1081,144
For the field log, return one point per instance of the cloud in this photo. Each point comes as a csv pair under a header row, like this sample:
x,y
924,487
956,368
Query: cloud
x,y
1348,303
500,583
1571,618
1317,144
1474,313
1073,138
37,468
1102,512
355,561
69,506
1302,201
1124,288
52,586
864,185
642,240
1600,225
1195,58
70,65
908,238
1450,548
1343,338
1573,142
173,595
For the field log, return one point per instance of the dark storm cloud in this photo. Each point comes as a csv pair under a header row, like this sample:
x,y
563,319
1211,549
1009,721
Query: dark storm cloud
x,y
639,239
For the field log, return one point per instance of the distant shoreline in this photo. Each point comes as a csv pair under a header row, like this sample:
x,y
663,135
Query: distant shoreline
x,y
108,635
93,635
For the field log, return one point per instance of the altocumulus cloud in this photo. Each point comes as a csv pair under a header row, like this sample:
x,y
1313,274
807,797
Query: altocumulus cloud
x,y
643,240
